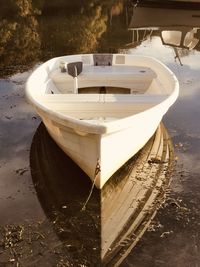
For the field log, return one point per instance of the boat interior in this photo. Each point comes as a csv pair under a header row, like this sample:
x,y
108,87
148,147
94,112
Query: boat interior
x,y
102,79
101,88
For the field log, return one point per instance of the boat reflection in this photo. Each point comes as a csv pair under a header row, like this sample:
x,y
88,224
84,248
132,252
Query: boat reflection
x,y
183,37
116,217
129,203
177,28
62,188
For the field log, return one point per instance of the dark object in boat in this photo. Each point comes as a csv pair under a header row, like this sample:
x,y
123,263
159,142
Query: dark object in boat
x,y
75,68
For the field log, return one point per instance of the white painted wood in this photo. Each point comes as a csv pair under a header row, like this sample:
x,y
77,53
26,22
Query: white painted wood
x,y
104,128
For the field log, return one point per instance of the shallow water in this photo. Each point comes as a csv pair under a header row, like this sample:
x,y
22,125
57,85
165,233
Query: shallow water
x,y
34,34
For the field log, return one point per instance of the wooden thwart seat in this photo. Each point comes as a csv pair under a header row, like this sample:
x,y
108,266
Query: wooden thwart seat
x,y
92,105
103,98
107,72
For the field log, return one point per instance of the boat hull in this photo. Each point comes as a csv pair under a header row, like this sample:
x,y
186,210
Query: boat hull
x,y
105,151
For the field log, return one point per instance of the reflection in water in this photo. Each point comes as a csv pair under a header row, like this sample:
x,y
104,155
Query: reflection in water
x,y
20,40
117,216
62,189
179,29
36,32
129,201
78,33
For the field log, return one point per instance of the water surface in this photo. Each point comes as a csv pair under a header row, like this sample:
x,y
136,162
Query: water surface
x,y
39,31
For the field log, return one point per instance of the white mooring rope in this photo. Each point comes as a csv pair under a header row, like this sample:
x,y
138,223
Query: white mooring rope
x,y
96,172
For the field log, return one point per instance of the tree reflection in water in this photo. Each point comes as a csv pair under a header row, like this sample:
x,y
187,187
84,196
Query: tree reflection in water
x,y
20,40
32,31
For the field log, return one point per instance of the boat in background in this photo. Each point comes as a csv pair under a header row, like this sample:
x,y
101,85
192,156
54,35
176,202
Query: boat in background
x,y
179,4
101,109
169,24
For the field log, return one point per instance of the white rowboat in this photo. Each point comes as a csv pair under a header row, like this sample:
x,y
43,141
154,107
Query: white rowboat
x,y
102,109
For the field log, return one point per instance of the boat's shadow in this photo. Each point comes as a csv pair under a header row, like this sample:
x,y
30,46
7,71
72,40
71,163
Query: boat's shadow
x,y
115,217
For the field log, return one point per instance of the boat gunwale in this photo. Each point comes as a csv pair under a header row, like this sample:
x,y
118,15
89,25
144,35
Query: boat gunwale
x,y
102,127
